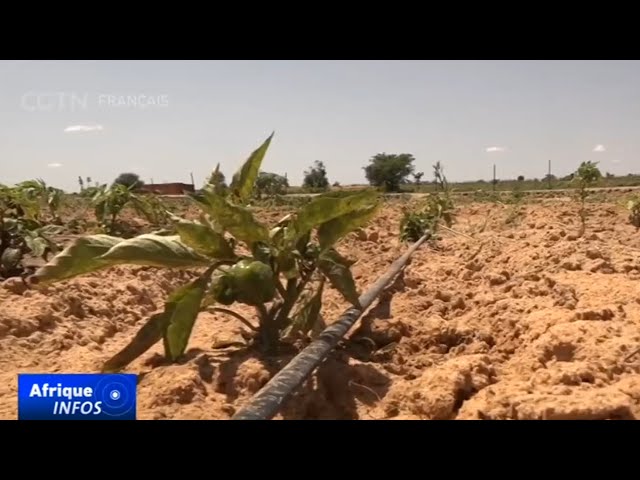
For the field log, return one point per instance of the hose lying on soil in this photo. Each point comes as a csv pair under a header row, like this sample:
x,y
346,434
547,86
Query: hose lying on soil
x,y
264,405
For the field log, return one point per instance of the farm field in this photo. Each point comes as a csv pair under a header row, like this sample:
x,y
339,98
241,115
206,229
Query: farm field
x,y
512,315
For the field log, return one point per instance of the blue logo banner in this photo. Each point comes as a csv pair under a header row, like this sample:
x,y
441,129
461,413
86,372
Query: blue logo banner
x,y
81,396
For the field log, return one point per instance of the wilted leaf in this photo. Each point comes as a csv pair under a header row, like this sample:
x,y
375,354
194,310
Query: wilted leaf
x,y
336,269
237,220
324,208
204,240
305,318
156,251
244,179
182,308
147,337
82,256
333,230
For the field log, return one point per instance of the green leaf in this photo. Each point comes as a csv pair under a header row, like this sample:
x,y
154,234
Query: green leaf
x,y
325,208
182,308
155,250
204,240
82,256
150,333
333,230
307,315
37,245
237,220
336,268
244,179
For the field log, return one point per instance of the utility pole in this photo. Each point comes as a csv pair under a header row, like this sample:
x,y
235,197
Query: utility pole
x,y
192,182
494,177
549,175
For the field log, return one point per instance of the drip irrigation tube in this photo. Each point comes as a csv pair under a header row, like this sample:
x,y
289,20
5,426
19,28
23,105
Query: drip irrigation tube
x,y
264,405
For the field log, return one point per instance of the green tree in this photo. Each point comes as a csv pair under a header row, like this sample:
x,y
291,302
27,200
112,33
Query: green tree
x,y
316,177
130,180
389,170
271,184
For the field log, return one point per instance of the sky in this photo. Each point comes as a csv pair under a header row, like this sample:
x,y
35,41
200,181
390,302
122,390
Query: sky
x,y
165,120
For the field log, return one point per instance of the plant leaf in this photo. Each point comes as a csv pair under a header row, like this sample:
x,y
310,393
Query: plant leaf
x,y
82,256
182,308
37,245
244,179
154,250
333,230
150,333
307,315
237,220
325,208
336,268
204,240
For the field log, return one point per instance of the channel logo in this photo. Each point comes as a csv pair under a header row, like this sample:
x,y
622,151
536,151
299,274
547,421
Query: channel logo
x,y
81,396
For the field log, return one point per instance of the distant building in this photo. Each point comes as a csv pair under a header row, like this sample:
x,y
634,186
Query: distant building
x,y
168,188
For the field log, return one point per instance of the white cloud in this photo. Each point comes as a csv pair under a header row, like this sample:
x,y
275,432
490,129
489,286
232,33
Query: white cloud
x,y
495,149
82,128
599,148
54,165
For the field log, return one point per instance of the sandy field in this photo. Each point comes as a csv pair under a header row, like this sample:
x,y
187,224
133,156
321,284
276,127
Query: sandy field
x,y
512,317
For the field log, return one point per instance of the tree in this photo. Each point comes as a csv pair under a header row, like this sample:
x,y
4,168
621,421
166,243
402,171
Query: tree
x,y
417,177
389,170
131,180
521,178
316,177
271,184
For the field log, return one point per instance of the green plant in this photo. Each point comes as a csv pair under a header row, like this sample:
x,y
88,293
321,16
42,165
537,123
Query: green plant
x,y
20,231
585,177
515,201
108,203
633,206
280,272
42,195
438,209
217,181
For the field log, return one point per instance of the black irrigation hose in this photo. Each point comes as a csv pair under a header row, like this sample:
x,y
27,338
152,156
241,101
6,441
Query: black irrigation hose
x,y
264,405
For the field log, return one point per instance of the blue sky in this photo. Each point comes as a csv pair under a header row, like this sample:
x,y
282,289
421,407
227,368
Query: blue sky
x,y
62,119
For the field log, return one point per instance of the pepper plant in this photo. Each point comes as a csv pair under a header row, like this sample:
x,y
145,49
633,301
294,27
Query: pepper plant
x,y
109,201
280,271
439,208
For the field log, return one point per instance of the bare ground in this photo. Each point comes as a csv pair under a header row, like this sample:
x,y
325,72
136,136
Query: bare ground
x,y
518,320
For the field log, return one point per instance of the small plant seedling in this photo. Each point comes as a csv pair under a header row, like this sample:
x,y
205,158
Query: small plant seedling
x,y
633,206
20,231
439,208
585,177
109,201
280,272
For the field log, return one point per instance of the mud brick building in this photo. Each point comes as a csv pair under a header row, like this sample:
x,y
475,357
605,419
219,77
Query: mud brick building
x,y
168,188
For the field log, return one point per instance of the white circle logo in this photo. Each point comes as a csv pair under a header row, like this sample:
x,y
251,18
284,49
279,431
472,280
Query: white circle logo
x,y
115,395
